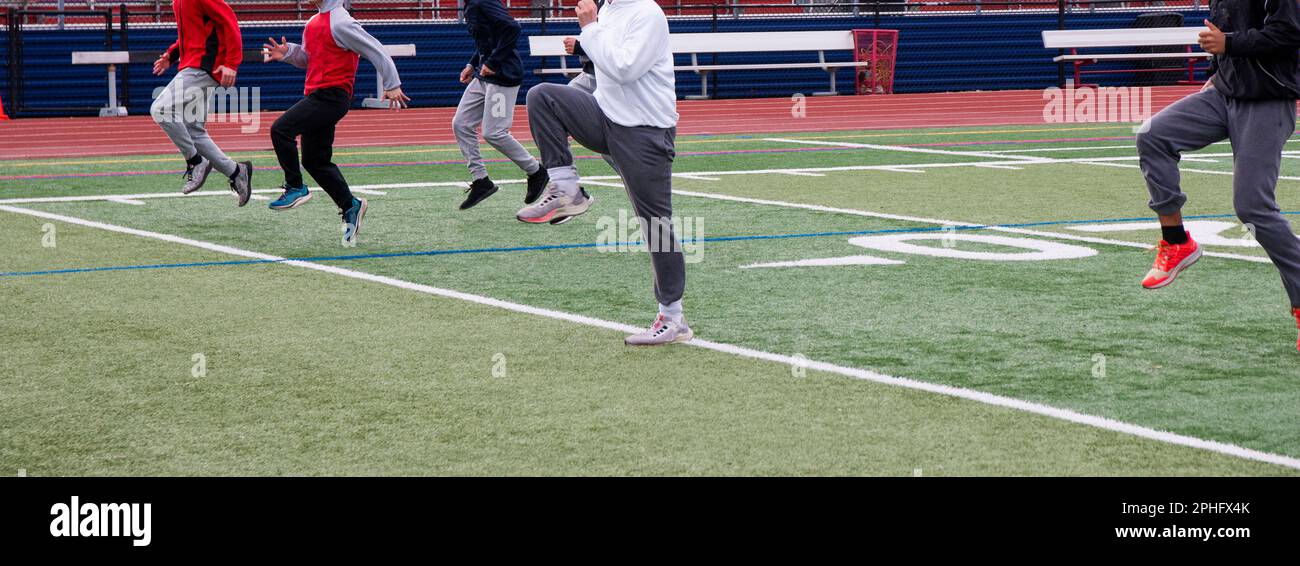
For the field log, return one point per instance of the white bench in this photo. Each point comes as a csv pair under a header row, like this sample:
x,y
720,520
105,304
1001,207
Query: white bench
x,y
114,58
697,44
1074,40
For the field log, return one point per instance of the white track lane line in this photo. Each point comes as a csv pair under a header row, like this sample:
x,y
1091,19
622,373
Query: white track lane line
x,y
958,392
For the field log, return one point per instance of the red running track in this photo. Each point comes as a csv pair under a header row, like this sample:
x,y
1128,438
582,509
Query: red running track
x,y
135,135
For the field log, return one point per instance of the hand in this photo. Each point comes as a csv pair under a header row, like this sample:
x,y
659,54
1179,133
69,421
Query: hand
x,y
569,44
225,75
163,63
586,12
1213,41
396,98
467,75
273,51
486,70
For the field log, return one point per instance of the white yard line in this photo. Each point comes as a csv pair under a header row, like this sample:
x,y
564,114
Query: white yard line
x,y
612,182
942,222
905,149
1000,163
1060,149
588,181
856,373
368,191
1183,169
127,201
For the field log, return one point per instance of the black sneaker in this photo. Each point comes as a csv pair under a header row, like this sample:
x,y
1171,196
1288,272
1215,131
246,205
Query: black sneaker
x,y
242,181
478,191
536,184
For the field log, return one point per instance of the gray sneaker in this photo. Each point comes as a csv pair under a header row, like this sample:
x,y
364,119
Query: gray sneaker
x,y
555,208
242,182
196,175
663,331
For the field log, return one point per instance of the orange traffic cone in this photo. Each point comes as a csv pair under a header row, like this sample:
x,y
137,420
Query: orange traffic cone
x,y
3,117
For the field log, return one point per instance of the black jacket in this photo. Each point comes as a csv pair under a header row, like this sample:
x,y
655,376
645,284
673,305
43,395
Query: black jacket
x,y
1261,61
495,34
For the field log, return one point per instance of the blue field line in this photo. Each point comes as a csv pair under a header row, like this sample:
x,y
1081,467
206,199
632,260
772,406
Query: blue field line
x,y
617,245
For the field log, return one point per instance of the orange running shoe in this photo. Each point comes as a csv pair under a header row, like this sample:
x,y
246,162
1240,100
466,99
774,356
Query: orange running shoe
x,y
1296,312
1171,259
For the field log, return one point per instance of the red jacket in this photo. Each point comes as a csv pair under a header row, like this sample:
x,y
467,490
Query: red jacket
x,y
207,35
329,64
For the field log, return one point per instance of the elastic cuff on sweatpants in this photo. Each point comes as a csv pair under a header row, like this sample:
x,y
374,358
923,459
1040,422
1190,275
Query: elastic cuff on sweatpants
x,y
1169,207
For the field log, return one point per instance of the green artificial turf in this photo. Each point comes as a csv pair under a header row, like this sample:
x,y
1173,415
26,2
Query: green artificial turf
x,y
312,373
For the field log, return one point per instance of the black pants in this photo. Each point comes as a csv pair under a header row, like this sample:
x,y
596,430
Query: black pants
x,y
313,118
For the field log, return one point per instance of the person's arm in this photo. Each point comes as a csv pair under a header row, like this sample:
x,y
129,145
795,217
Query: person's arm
x,y
167,58
173,53
349,35
282,50
231,53
505,30
477,58
1280,34
626,58
296,55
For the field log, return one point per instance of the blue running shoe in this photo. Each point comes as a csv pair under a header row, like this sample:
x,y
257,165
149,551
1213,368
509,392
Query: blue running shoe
x,y
292,198
352,220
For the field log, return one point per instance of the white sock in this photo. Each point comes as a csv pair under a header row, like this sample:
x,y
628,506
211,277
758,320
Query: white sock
x,y
672,312
565,179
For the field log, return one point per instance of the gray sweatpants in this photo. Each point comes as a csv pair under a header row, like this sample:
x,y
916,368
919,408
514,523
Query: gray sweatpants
x,y
491,107
644,155
587,83
1258,131
181,108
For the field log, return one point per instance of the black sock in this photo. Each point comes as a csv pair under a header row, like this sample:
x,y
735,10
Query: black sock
x,y
1174,234
197,159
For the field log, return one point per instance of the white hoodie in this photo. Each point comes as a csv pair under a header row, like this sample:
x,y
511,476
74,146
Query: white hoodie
x,y
635,85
